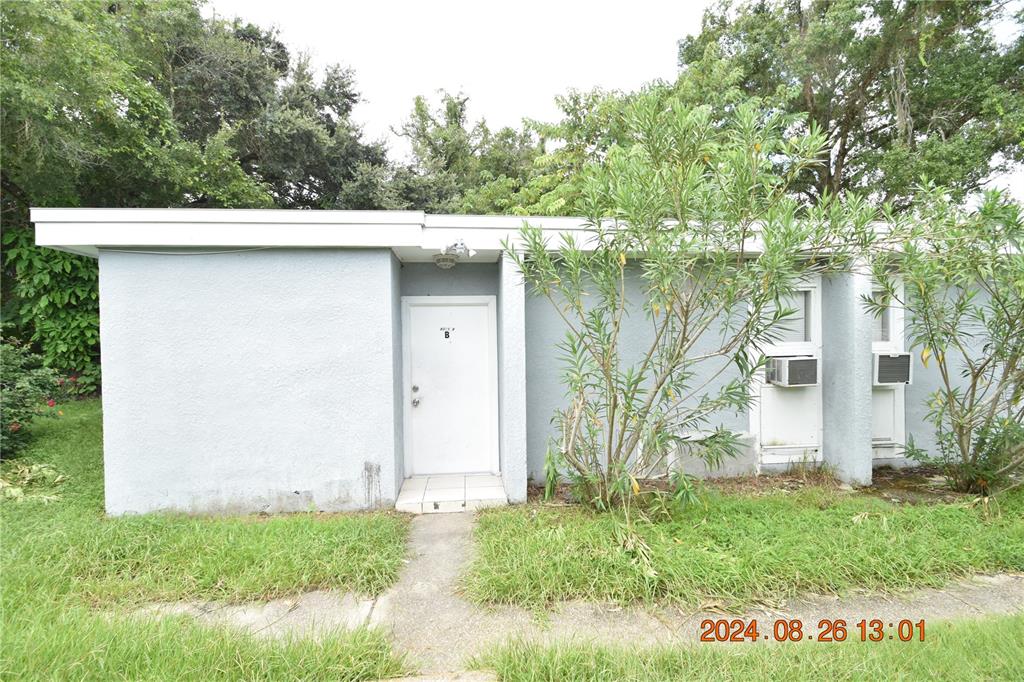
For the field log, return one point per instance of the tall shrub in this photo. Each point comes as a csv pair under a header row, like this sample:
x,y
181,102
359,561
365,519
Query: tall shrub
x,y
27,389
962,274
699,211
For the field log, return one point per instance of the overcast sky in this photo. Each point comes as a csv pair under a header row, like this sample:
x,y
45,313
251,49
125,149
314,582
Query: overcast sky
x,y
510,58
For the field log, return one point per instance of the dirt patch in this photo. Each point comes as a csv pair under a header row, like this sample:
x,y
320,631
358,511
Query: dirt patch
x,y
739,485
915,485
908,485
563,494
768,484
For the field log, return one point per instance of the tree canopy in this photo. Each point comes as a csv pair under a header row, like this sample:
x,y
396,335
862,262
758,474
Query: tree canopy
x,y
148,104
901,89
480,169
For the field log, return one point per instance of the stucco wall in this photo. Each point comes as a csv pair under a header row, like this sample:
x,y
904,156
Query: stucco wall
x,y
254,381
846,366
927,380
465,279
512,379
544,390
397,371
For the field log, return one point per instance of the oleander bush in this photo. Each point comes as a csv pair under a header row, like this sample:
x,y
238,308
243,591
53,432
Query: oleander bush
x,y
700,211
959,275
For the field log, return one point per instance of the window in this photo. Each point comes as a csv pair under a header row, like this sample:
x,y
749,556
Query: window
x,y
796,327
881,325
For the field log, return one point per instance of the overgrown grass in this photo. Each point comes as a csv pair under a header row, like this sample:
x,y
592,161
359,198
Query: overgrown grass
x,y
62,559
738,549
76,644
972,650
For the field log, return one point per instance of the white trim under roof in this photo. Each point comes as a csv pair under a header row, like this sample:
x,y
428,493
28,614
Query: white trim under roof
x,y
412,235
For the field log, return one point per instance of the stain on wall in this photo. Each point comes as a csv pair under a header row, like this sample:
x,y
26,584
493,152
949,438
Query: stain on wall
x,y
371,485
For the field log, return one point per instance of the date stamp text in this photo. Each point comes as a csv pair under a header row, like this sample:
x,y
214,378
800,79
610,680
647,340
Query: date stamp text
x,y
794,630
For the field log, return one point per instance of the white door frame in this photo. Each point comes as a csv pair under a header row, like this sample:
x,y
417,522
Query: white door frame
x,y
408,302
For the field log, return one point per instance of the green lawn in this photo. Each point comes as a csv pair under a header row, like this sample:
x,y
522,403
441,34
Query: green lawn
x,y
64,569
71,643
60,560
738,549
992,649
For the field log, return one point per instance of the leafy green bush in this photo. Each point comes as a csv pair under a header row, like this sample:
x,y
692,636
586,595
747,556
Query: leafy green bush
x,y
27,390
676,211
992,463
959,276
55,305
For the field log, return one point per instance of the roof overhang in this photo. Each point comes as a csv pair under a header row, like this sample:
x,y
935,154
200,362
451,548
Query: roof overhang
x,y
412,235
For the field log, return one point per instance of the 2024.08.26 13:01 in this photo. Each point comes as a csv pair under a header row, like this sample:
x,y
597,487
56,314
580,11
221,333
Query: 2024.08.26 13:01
x,y
828,630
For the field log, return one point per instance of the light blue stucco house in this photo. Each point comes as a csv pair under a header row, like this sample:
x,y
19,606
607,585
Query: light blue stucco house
x,y
270,360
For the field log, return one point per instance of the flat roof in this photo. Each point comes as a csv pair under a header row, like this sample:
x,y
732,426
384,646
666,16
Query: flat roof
x,y
414,236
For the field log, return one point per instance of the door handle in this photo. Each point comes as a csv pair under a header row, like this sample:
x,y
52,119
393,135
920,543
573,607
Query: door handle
x,y
415,402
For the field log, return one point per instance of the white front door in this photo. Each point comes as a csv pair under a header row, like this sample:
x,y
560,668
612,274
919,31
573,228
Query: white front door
x,y
451,384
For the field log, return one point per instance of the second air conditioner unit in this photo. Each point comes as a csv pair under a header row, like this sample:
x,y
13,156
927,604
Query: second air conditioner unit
x,y
892,369
792,371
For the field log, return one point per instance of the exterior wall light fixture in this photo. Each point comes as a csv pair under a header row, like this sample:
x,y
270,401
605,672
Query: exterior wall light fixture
x,y
451,254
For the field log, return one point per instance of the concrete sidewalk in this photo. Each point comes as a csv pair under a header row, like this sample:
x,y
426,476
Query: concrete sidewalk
x,y
440,631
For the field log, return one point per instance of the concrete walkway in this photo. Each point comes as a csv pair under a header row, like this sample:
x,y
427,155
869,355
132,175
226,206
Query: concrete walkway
x,y
428,619
440,631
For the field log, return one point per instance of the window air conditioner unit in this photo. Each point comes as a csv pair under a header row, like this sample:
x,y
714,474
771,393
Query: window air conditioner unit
x,y
892,369
795,371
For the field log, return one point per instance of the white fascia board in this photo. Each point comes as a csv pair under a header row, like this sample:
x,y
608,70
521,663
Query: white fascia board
x,y
486,239
84,230
504,222
247,216
478,240
489,233
114,235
